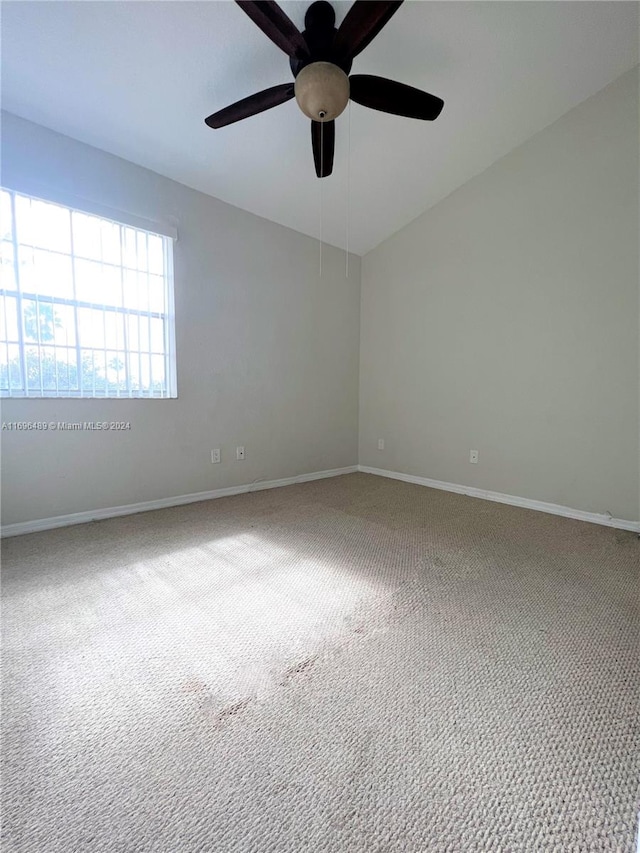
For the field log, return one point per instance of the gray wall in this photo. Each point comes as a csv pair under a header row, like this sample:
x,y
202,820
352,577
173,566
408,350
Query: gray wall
x,y
267,352
505,319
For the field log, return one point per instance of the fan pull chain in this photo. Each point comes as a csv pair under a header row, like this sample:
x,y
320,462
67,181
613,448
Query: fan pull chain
x,y
348,184
321,174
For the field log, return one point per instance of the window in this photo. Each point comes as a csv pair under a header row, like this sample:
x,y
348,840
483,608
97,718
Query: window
x,y
86,304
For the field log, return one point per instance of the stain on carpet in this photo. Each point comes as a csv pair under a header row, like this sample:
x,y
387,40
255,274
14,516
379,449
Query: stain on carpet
x,y
299,668
230,711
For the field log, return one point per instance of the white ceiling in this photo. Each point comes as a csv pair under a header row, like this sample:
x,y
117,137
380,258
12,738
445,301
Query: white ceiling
x,y
138,78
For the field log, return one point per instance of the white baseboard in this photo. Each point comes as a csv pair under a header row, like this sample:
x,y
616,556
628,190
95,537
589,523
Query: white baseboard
x,y
514,500
129,509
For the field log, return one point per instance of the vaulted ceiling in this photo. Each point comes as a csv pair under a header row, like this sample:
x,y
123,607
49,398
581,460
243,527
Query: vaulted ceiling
x,y
138,78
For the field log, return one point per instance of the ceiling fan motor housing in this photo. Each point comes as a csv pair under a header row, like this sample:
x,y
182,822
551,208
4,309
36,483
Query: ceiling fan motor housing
x,y
322,91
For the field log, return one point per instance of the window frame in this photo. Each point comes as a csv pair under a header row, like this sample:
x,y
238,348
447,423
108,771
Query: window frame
x,y
168,234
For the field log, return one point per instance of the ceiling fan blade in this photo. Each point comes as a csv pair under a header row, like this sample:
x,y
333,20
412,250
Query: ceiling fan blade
x,y
391,97
273,22
323,140
362,23
251,106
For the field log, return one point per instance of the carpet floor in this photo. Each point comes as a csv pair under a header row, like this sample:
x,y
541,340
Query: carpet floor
x,y
347,665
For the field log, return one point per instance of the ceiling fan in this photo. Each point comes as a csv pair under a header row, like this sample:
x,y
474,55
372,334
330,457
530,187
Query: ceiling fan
x,y
321,59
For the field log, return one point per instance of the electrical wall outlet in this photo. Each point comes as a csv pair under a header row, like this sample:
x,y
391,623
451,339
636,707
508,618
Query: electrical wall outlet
x,y
239,453
473,456
381,444
215,456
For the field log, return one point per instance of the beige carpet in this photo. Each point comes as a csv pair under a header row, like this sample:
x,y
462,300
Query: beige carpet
x,y
349,665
